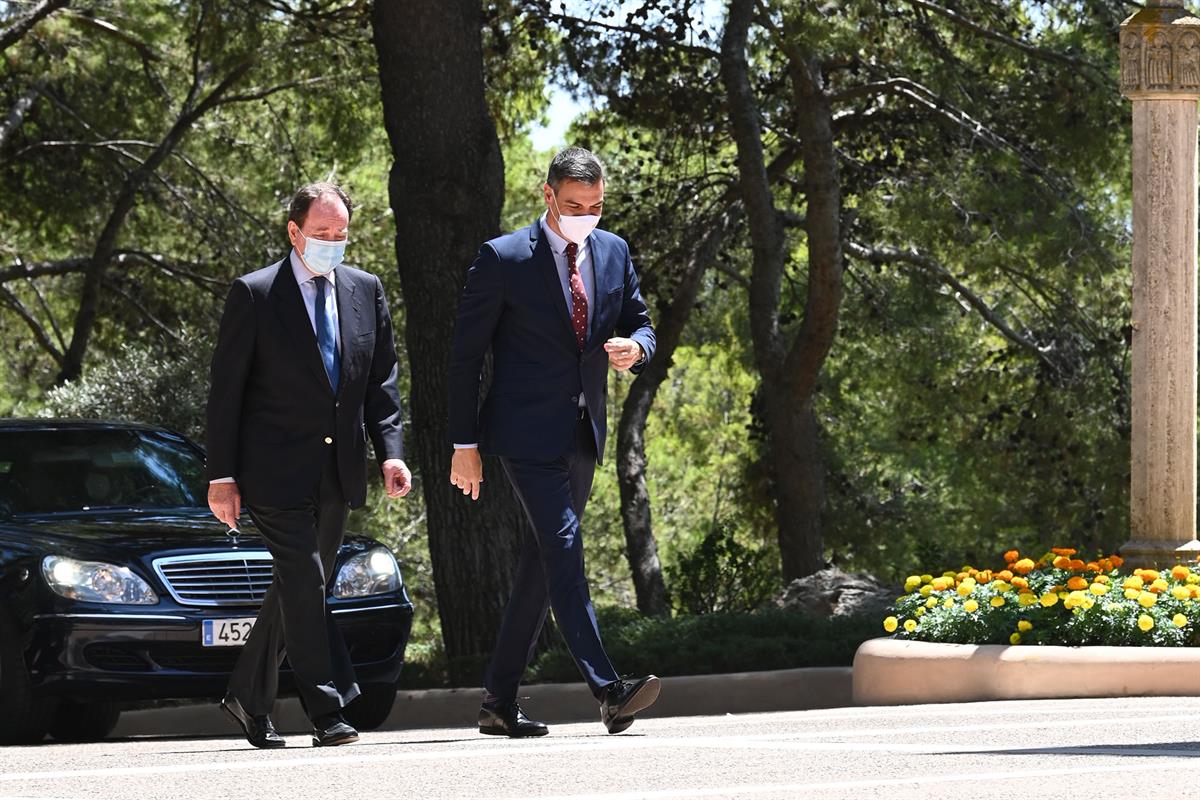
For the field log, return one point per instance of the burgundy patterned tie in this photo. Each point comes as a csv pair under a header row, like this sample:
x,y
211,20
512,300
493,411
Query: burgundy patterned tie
x,y
579,316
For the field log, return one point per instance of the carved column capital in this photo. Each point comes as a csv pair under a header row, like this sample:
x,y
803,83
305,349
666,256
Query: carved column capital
x,y
1160,53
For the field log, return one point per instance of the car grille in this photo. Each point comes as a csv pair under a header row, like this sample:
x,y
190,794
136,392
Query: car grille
x,y
216,579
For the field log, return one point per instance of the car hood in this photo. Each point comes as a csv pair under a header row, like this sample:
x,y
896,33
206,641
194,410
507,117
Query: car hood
x,y
137,532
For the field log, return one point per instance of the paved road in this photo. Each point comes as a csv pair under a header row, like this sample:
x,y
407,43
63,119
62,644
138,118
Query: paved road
x,y
1146,748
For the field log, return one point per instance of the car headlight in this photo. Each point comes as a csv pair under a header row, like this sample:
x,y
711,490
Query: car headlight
x,y
96,582
372,572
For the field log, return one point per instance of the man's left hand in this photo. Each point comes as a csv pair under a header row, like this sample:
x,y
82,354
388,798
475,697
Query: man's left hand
x,y
622,353
396,478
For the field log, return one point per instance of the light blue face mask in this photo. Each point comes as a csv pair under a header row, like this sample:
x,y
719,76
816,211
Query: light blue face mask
x,y
322,257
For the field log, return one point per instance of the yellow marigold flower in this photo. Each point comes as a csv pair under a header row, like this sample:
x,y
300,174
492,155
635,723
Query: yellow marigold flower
x,y
997,601
1062,551
1179,572
1048,599
949,574
1159,586
1193,578
1101,579
1134,582
966,587
1145,622
1086,602
1024,566
1026,599
1131,594
910,625
1099,588
912,582
942,583
1076,583
921,611
926,578
1024,626
1011,556
1180,592
1075,599
1062,595
1180,620
1000,586
948,602
1014,639
1147,574
971,606
1147,599
931,602
890,624
926,590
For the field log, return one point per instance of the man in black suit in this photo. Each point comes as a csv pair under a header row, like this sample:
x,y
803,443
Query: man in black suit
x,y
558,304
303,373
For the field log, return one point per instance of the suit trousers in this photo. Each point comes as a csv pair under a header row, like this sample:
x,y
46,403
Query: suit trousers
x,y
551,573
294,620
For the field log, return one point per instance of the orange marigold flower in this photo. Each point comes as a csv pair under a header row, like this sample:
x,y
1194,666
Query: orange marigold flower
x,y
1003,575
1179,572
1024,566
1011,556
1077,564
985,576
1076,583
1116,561
1062,562
1062,551
1019,582
1092,566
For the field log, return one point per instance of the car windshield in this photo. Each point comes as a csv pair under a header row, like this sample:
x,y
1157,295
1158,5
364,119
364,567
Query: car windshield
x,y
50,471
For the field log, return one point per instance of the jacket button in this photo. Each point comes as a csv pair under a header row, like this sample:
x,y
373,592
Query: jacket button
x,y
328,440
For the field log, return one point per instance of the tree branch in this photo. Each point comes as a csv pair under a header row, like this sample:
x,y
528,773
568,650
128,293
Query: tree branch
x,y
16,114
39,333
13,33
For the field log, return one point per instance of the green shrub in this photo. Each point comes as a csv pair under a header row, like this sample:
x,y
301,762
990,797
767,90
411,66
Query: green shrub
x,y
722,575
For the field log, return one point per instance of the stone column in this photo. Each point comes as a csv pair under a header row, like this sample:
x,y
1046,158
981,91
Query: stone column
x,y
1160,73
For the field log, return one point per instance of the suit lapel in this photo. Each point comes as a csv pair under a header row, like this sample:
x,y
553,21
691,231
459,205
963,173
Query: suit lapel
x,y
289,306
544,262
349,324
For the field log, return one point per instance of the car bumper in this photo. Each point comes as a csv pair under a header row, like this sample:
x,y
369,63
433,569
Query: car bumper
x,y
158,655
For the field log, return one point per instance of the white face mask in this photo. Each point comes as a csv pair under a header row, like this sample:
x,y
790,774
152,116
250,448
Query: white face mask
x,y
576,229
320,256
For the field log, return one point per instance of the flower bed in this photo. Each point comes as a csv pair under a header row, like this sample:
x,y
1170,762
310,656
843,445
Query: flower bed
x,y
1057,599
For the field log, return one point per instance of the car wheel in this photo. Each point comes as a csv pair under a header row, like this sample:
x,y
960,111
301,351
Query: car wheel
x,y
84,722
371,708
25,719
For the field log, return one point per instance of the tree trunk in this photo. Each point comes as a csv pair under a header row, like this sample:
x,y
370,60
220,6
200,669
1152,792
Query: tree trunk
x,y
642,549
446,188
789,372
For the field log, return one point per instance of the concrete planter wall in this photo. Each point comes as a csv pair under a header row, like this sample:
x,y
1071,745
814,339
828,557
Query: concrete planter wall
x,y
890,671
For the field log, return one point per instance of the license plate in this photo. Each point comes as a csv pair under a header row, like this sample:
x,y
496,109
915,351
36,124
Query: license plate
x,y
226,632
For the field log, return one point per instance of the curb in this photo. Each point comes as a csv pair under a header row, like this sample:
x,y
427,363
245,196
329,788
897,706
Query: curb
x,y
693,695
900,672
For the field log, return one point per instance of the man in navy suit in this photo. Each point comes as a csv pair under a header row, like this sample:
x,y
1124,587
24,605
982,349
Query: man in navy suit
x,y
558,304
303,373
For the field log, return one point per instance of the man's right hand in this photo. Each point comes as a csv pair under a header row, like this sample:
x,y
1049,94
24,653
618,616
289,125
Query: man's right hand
x,y
226,503
466,470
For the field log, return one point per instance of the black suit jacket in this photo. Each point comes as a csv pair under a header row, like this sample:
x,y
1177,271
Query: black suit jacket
x,y
271,408
513,303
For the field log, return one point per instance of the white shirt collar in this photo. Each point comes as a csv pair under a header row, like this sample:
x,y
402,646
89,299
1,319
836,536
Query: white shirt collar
x,y
302,273
557,243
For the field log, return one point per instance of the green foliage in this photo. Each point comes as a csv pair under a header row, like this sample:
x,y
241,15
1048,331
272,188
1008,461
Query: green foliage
x,y
160,386
723,575
715,643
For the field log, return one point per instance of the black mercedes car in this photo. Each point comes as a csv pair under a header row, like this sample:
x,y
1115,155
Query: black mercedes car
x,y
117,586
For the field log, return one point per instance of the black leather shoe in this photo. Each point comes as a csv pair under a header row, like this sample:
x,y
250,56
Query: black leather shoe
x,y
259,730
332,730
507,719
623,699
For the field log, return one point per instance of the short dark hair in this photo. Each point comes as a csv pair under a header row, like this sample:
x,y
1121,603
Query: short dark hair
x,y
574,164
305,196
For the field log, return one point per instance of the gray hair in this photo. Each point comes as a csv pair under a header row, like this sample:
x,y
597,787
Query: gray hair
x,y
305,196
574,164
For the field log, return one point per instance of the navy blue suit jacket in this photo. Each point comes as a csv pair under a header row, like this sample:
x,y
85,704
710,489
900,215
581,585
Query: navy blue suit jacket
x,y
513,302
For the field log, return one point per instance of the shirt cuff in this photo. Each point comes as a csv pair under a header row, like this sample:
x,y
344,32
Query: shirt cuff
x,y
466,446
222,480
641,359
